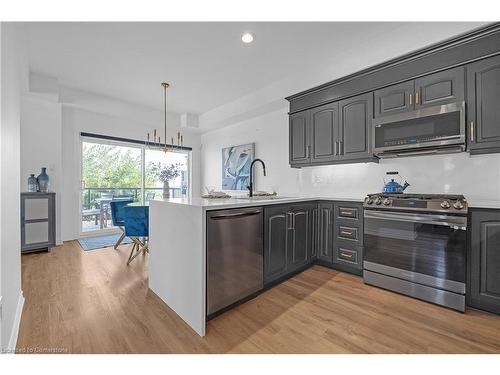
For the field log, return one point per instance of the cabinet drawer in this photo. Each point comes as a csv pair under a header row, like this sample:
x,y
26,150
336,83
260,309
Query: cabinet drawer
x,y
347,233
349,256
347,212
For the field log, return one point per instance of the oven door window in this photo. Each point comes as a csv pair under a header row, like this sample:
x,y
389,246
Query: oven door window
x,y
429,249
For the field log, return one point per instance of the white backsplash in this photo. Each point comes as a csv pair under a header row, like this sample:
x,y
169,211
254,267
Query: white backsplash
x,y
476,177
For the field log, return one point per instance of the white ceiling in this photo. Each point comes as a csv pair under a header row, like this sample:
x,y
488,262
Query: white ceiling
x,y
206,63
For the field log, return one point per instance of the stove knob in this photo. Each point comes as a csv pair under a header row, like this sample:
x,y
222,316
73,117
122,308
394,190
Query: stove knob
x,y
458,205
378,200
369,201
386,202
445,205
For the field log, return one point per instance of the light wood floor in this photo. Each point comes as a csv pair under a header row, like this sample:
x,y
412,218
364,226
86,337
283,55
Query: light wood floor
x,y
90,302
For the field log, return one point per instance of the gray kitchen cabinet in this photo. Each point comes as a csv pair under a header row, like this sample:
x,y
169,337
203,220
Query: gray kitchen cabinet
x,y
355,130
300,249
333,133
440,88
300,138
288,234
315,232
276,238
447,86
348,236
340,242
38,221
394,99
325,242
325,132
483,110
484,260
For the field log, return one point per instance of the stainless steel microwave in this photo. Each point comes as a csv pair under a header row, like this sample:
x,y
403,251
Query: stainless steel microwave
x,y
432,130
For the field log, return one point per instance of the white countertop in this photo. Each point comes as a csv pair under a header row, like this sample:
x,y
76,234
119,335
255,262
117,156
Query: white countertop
x,y
235,202
216,204
483,203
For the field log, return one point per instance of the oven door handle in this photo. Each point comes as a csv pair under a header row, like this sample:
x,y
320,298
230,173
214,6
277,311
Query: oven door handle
x,y
456,222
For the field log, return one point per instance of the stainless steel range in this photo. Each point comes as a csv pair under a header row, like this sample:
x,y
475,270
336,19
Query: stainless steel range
x,y
415,244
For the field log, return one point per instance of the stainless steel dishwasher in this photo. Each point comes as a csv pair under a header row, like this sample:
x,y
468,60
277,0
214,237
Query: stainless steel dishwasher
x,y
235,256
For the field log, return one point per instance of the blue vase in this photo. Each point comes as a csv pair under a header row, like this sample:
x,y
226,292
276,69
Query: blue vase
x,y
32,184
43,181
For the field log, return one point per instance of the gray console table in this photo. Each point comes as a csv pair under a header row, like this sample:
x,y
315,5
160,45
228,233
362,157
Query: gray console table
x,y
38,221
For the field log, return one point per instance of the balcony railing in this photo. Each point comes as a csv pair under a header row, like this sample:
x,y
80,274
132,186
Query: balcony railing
x,y
91,194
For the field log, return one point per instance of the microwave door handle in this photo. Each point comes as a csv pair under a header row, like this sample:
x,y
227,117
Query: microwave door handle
x,y
416,153
459,223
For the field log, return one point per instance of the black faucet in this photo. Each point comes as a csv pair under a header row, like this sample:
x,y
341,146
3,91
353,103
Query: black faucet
x,y
250,187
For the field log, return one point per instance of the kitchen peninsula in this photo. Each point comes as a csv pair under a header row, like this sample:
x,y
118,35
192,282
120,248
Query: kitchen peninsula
x,y
178,244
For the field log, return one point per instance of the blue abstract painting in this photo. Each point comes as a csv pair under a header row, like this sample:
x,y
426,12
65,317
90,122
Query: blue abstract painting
x,y
236,162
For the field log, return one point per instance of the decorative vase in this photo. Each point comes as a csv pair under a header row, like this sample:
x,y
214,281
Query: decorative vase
x,y
43,181
32,184
166,190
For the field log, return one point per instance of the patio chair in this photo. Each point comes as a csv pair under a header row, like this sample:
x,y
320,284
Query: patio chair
x,y
136,220
117,215
95,211
105,207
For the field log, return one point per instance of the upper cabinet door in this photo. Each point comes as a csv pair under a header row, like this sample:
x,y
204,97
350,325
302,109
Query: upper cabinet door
x,y
483,108
324,128
300,134
356,115
440,88
394,99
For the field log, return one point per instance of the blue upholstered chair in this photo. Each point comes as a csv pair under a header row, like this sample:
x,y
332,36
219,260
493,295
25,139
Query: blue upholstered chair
x,y
136,219
117,215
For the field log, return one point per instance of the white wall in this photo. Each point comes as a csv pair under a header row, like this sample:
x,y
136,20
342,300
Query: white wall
x,y
476,177
41,146
14,74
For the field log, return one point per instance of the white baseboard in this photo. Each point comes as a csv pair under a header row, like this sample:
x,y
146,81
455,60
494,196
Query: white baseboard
x,y
17,321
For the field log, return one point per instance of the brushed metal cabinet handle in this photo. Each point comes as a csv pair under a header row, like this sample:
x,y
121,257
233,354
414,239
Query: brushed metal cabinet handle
x,y
417,98
411,99
472,131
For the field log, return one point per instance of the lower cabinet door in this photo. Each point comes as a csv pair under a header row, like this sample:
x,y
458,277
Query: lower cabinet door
x,y
276,232
301,236
325,242
484,261
315,232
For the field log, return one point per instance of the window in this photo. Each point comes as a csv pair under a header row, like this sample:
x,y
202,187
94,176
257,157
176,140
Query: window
x,y
117,169
155,159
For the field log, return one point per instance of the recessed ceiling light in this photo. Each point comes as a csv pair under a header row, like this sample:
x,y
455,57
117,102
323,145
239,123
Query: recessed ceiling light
x,y
247,38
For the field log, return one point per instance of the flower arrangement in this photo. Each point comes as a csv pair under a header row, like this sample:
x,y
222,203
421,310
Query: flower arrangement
x,y
166,173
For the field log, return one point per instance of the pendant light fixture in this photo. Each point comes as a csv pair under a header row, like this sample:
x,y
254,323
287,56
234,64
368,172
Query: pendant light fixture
x,y
156,142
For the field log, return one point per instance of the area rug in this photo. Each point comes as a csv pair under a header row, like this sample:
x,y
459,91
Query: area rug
x,y
99,242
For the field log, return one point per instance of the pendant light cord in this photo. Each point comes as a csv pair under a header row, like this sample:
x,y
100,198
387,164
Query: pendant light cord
x,y
165,112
